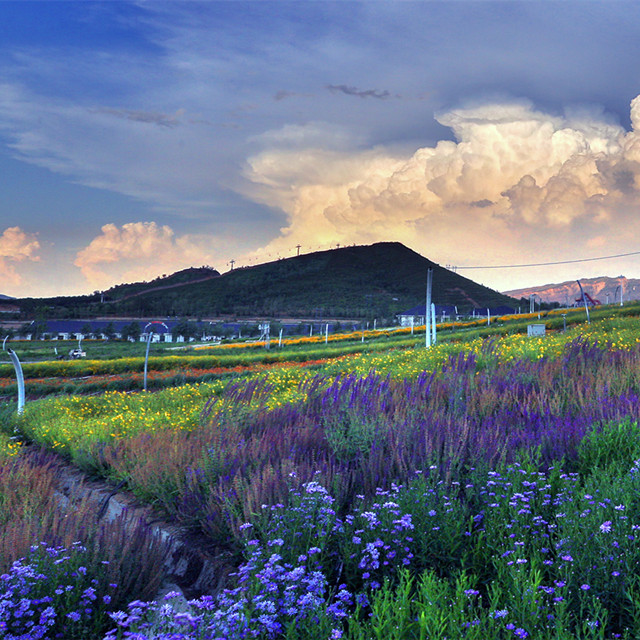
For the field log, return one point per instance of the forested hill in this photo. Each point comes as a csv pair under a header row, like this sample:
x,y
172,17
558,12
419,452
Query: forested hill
x,y
378,280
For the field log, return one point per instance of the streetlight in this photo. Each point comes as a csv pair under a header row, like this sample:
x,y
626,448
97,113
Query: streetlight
x,y
584,300
146,357
19,375
616,292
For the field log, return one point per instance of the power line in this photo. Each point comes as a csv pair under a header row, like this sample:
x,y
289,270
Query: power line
x,y
546,264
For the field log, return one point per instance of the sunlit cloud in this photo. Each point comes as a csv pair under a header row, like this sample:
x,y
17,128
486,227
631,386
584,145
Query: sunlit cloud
x,y
138,251
515,180
15,246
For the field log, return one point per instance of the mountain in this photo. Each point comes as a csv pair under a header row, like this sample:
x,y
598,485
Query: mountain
x,y
177,279
3,297
378,280
602,288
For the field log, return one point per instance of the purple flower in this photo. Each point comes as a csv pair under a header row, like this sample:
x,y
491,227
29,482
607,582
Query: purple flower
x,y
605,527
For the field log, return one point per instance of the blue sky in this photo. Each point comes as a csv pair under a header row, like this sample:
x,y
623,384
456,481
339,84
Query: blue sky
x,y
138,138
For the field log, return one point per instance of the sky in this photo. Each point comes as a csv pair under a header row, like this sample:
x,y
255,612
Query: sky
x,y
140,138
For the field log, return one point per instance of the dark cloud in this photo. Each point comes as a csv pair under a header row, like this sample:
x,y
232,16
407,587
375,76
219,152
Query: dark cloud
x,y
281,95
360,93
481,203
150,117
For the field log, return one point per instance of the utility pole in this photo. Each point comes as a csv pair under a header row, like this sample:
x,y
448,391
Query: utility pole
x,y
298,248
232,262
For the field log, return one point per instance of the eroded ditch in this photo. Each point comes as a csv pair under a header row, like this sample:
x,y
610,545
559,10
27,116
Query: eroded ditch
x,y
191,566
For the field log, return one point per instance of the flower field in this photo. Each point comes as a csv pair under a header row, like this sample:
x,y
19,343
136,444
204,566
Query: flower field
x,y
485,488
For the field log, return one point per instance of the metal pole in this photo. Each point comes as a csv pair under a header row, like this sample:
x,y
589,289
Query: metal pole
x,y
584,299
280,339
326,333
19,375
433,323
146,360
20,378
427,309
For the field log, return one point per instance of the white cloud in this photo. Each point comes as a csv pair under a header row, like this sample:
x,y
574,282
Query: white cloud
x,y
15,246
516,183
138,251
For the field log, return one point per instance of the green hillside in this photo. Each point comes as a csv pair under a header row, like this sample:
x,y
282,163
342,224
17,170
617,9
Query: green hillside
x,y
379,280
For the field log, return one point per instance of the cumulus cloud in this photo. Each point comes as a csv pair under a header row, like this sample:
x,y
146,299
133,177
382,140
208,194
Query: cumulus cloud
x,y
15,246
514,180
137,251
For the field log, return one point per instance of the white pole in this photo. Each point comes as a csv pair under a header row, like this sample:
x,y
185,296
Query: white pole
x,y
488,317
326,333
411,325
280,339
146,359
584,299
19,375
433,323
427,309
